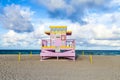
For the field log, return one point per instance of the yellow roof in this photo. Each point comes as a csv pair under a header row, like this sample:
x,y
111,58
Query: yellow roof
x,y
69,31
58,26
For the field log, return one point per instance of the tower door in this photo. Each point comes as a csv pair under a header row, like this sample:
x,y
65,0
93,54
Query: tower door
x,y
58,42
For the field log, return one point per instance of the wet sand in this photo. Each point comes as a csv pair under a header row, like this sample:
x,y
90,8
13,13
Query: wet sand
x,y
103,68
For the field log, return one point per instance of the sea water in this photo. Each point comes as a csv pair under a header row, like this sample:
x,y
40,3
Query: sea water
x,y
78,52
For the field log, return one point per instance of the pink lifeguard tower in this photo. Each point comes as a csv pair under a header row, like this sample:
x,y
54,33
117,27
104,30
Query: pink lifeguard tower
x,y
58,45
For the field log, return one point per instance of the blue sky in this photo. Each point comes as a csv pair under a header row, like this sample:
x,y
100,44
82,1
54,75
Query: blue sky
x,y
94,23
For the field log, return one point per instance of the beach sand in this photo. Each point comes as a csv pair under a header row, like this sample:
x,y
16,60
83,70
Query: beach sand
x,y
103,68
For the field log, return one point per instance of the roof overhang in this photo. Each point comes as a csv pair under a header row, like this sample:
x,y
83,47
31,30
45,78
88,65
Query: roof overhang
x,y
68,32
47,32
58,26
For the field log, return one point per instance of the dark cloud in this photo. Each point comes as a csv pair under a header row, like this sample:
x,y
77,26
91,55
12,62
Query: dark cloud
x,y
74,10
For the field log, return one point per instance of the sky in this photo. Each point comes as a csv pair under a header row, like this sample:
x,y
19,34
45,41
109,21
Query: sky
x,y
95,24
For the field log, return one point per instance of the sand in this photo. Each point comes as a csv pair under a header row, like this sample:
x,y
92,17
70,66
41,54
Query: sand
x,y
103,68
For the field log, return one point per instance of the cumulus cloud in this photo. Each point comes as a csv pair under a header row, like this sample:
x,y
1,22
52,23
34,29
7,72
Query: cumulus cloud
x,y
52,4
17,18
13,38
97,35
105,26
24,40
20,40
72,9
113,43
39,31
115,3
103,18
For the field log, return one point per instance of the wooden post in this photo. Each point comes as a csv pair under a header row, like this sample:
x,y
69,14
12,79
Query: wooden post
x,y
19,56
91,59
83,53
31,54
57,57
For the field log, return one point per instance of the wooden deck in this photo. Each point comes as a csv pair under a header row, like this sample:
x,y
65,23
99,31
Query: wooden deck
x,y
48,54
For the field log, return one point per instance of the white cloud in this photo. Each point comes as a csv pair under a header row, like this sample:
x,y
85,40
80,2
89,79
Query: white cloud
x,y
104,26
53,4
39,31
24,40
114,3
17,18
104,18
64,4
72,10
101,32
26,12
113,43
19,40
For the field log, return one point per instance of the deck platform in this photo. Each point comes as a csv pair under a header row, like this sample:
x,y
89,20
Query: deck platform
x,y
48,54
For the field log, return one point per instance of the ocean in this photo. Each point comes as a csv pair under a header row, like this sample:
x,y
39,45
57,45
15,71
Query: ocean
x,y
78,52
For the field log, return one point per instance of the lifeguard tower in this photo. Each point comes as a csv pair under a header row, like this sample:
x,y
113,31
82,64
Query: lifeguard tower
x,y
58,45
